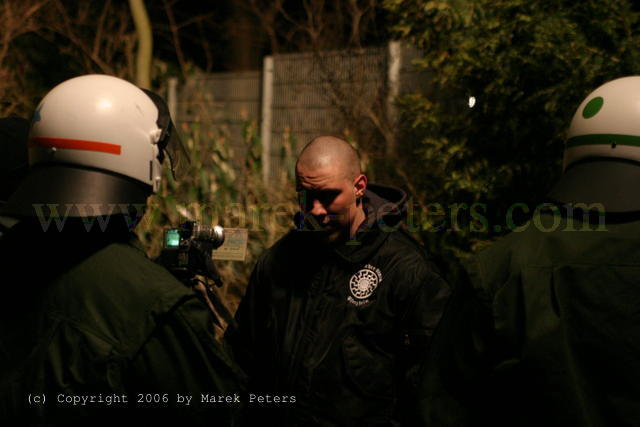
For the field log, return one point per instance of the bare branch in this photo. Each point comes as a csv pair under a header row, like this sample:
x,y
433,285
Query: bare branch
x,y
98,39
176,37
195,20
206,48
67,30
267,15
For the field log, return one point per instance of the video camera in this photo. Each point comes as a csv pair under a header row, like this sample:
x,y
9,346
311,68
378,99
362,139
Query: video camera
x,y
187,251
187,254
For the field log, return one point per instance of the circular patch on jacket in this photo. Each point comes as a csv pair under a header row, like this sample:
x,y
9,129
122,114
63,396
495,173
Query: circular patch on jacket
x,y
364,282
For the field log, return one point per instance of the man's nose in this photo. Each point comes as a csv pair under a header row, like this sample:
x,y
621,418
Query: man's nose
x,y
317,209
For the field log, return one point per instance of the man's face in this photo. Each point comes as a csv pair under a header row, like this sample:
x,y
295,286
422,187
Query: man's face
x,y
329,197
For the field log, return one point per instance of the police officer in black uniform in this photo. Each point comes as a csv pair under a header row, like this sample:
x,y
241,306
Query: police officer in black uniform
x,y
92,330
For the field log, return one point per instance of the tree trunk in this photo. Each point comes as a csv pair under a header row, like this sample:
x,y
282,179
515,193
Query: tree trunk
x,y
145,43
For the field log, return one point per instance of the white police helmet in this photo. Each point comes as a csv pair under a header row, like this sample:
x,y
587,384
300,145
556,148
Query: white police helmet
x,y
607,123
602,153
95,140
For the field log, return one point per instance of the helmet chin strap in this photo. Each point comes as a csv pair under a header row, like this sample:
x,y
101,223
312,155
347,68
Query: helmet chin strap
x,y
156,174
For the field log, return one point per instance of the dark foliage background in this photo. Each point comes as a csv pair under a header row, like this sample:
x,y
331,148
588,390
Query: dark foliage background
x,y
528,65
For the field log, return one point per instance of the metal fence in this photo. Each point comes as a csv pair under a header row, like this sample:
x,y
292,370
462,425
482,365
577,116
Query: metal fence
x,y
299,96
220,105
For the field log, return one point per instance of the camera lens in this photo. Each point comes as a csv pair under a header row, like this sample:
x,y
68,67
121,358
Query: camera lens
x,y
213,235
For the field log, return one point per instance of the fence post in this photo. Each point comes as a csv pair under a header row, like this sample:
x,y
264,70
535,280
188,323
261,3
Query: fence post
x,y
172,99
265,126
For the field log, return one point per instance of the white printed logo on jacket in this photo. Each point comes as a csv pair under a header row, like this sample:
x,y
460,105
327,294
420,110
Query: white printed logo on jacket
x,y
363,283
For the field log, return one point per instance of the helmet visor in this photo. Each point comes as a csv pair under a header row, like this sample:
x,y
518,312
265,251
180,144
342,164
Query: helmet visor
x,y
177,153
170,143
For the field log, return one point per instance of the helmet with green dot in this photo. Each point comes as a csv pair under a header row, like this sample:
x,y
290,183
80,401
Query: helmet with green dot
x,y
607,123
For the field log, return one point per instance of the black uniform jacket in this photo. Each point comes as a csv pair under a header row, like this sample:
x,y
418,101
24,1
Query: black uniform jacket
x,y
94,333
340,331
547,334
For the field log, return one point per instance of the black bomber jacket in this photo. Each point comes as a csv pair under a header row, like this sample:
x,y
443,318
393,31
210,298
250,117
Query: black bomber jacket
x,y
340,333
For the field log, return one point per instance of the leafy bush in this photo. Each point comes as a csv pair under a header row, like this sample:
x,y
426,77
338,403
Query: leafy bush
x,y
215,189
526,65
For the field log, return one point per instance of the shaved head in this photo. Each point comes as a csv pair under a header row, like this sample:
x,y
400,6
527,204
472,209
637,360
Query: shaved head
x,y
330,151
331,187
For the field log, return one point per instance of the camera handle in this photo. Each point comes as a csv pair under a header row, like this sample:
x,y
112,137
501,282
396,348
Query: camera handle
x,y
216,306
212,271
212,299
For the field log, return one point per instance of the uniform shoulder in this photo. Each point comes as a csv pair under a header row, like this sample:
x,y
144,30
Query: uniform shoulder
x,y
129,265
492,266
117,293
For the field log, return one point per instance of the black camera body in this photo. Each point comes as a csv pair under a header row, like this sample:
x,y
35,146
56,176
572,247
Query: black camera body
x,y
187,254
187,250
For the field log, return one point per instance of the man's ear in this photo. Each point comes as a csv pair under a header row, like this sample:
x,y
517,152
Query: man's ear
x,y
360,185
